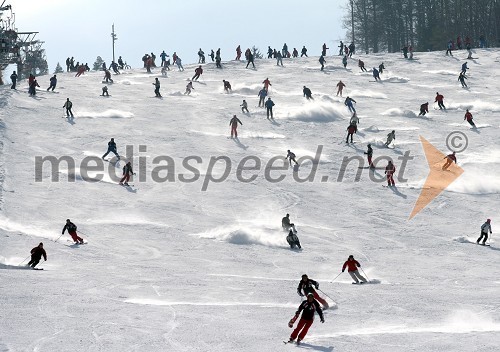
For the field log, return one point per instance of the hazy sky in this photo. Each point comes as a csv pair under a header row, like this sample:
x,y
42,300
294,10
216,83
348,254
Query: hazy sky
x,y
83,28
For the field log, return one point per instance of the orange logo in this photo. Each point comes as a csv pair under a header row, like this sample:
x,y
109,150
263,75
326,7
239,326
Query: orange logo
x,y
438,179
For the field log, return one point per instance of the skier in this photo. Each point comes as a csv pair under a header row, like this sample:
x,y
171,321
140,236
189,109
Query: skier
x,y
53,82
227,86
344,61
105,91
262,96
459,43
174,58
462,78
350,132
266,83
234,126
127,171
279,59
32,88
250,58
354,120
292,238
107,76
376,74
307,307
352,49
13,78
303,52
201,56
450,158
80,71
307,286
197,73
67,64
157,87
295,53
348,102
449,47
290,156
238,53
284,51
68,105
218,61
307,93
189,87
464,68
285,222
424,108
390,169
244,107
352,266
111,149
369,154
485,228
212,54
269,107
36,255
390,137
439,100
381,68
269,52
72,231
361,65
410,49
469,51
405,51
163,57
468,117
322,61
114,66
178,61
341,48
340,87
323,50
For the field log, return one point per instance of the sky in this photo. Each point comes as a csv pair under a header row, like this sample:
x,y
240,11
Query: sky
x,y
83,30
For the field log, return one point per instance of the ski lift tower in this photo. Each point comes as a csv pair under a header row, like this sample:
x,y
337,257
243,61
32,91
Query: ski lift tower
x,y
114,38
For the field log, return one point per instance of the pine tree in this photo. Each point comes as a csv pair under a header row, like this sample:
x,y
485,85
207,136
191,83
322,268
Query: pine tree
x,y
98,63
58,69
256,53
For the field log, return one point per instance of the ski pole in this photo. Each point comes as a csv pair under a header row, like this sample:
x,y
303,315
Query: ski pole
x,y
365,274
336,277
58,238
24,260
326,295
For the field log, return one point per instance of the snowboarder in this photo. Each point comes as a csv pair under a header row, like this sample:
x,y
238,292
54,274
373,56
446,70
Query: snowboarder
x,y
390,169
352,266
269,107
197,73
307,307
250,60
462,78
227,86
468,117
53,83
340,87
36,255
107,76
68,105
450,158
306,286
285,222
262,96
72,231
376,74
290,156
189,87
244,107
485,228
105,91
344,61
266,83
348,102
361,65
303,52
111,149
322,61
238,53
157,87
390,137
464,68
350,132
323,49
307,93
292,238
13,78
381,68
127,171
424,108
234,126
369,154
439,100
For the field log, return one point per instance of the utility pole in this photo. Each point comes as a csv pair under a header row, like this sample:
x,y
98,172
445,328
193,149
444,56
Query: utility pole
x,y
352,20
114,38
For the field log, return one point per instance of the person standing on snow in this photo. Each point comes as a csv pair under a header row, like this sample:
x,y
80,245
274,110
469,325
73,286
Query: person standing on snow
x,y
303,52
341,48
361,65
238,53
285,222
352,266
485,228
449,47
201,56
107,76
322,61
250,60
13,78
269,108
163,57
390,169
266,83
462,78
340,87
295,53
72,231
390,137
68,105
290,156
197,73
323,49
348,102
178,61
244,107
350,132
381,68
439,99
262,97
292,239
352,49
376,74
450,158
111,149
105,91
36,255
189,87
234,126
212,54
157,87
53,83
424,108
369,154
127,171
464,68
307,93
468,117
344,61
32,88
279,59
284,51
354,120
307,307
307,285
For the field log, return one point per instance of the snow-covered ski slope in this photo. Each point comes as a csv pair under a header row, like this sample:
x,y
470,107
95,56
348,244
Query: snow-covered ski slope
x,y
170,267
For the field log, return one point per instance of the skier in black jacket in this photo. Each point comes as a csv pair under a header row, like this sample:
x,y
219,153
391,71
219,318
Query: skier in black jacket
x,y
111,149
36,255
307,286
307,307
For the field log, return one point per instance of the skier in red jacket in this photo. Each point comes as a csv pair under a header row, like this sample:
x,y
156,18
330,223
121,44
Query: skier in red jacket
x,y
450,158
468,117
390,169
307,307
197,73
234,126
267,83
350,132
439,100
352,268
307,285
